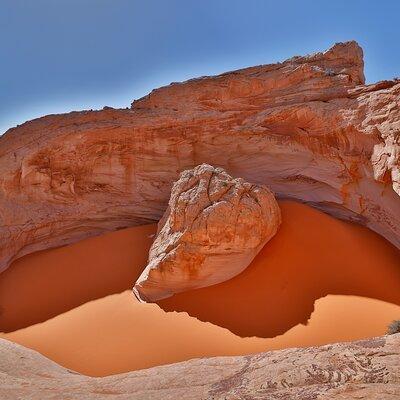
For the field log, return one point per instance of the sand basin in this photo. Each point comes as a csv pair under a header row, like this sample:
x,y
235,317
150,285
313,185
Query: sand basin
x,y
353,272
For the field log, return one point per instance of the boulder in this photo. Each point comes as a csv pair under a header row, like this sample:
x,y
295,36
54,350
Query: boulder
x,y
212,229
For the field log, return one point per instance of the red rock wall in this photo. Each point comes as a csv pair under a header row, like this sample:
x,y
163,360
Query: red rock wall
x,y
308,128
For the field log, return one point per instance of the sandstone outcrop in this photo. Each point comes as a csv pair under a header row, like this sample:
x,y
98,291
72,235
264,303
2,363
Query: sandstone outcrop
x,y
368,369
308,128
212,229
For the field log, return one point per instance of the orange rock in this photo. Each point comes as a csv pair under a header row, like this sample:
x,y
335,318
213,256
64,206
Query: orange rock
x,y
308,128
213,228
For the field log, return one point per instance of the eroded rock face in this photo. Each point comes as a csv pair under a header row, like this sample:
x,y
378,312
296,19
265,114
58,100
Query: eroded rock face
x,y
308,128
213,228
367,369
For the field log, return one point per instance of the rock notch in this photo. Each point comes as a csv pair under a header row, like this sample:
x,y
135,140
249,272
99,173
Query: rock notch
x,y
212,229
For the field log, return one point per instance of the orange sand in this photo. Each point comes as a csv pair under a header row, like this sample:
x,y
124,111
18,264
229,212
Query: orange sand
x,y
44,284
312,255
117,334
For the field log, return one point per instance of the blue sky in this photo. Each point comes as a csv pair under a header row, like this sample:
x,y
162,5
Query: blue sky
x,y
63,55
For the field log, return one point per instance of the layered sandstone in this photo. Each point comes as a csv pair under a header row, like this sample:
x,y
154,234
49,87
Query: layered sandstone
x,y
212,229
308,128
367,369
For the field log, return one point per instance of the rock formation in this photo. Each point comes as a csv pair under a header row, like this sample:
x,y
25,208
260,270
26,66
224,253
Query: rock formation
x,y
367,369
308,128
213,228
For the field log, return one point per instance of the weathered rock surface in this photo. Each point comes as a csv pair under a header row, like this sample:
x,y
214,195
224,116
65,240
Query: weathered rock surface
x,y
308,128
368,369
213,228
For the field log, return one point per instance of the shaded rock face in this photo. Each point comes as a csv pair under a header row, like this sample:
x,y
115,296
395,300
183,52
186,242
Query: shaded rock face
x,y
308,128
213,228
368,369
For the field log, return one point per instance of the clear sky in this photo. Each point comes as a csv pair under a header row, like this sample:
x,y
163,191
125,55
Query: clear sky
x,y
63,55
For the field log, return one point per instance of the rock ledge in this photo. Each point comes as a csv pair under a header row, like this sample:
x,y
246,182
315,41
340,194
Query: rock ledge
x,y
367,369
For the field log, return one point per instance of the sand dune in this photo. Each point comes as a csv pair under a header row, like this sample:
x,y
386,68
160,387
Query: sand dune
x,y
312,255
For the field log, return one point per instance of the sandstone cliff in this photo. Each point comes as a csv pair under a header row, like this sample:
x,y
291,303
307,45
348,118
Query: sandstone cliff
x,y
368,369
308,128
213,228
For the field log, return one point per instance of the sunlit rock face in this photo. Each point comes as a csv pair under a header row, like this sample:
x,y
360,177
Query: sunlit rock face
x,y
367,369
308,128
213,228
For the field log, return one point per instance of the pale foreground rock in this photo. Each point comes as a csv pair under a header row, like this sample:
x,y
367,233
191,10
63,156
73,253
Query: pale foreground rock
x,y
213,228
308,128
368,369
